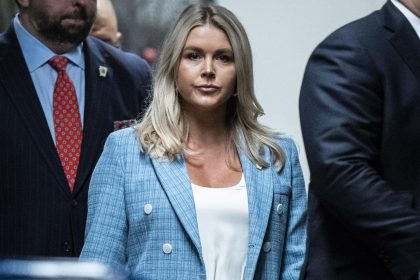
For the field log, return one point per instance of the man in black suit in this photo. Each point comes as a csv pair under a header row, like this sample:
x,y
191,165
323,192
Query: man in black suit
x,y
360,117
41,212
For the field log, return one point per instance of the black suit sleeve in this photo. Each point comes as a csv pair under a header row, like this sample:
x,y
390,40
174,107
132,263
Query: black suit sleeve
x,y
341,111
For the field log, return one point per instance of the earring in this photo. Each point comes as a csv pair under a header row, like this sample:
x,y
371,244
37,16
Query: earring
x,y
235,94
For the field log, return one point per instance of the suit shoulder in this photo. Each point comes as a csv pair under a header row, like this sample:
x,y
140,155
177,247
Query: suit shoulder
x,y
131,60
119,58
359,30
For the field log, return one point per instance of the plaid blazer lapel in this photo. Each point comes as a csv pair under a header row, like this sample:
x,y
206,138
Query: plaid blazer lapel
x,y
259,183
176,183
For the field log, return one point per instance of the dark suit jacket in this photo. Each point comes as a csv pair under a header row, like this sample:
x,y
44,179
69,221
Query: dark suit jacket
x,y
38,213
360,117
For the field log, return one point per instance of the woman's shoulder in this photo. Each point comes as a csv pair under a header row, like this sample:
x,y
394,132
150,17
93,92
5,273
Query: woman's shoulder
x,y
123,140
287,144
124,135
290,149
123,146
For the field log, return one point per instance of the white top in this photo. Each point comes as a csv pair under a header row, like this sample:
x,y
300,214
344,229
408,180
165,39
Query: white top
x,y
411,17
222,216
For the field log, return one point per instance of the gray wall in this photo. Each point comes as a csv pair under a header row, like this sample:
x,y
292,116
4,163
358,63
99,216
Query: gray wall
x,y
283,33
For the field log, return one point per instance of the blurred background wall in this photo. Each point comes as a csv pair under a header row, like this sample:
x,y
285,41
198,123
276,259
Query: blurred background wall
x,y
283,33
144,23
7,11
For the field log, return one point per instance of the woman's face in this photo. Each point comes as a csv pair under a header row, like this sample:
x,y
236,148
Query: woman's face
x,y
207,72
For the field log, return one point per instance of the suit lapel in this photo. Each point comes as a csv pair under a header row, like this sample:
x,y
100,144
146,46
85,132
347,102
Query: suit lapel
x,y
259,183
176,183
95,126
23,95
402,37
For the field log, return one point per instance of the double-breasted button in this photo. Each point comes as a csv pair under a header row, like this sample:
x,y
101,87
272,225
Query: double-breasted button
x,y
148,208
167,248
266,246
279,208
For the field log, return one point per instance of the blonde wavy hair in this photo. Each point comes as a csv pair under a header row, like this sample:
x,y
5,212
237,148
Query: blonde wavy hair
x,y
163,130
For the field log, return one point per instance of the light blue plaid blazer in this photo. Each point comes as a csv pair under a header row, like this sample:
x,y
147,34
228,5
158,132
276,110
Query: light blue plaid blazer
x,y
142,215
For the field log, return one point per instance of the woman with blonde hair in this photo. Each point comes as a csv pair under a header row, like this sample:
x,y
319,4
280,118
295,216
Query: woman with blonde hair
x,y
199,189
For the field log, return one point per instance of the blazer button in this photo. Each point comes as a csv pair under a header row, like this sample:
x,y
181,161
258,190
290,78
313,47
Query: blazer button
x,y
279,209
267,247
66,247
167,248
148,208
74,203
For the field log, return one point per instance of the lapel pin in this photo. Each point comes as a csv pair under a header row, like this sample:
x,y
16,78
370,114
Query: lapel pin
x,y
103,71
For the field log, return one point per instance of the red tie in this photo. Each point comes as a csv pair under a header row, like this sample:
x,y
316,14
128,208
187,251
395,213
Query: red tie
x,y
67,123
